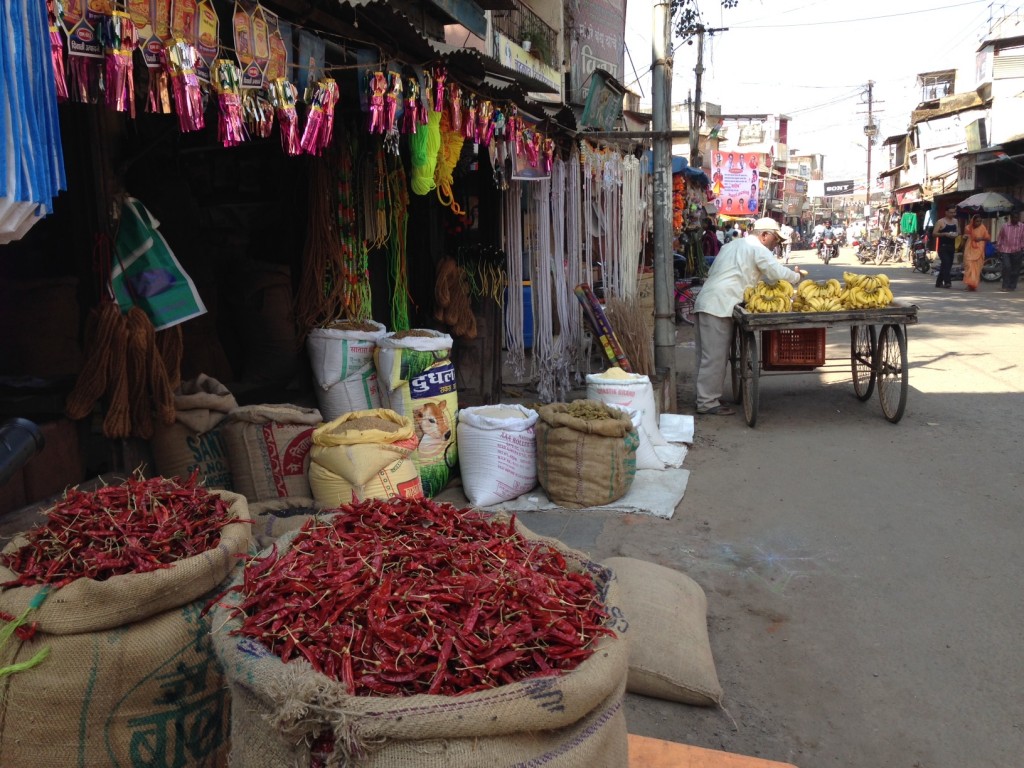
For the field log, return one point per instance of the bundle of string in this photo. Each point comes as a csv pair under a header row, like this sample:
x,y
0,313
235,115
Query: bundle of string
x,y
123,364
374,177
561,355
355,276
424,148
573,330
483,267
452,304
448,158
632,215
320,298
545,355
399,268
512,234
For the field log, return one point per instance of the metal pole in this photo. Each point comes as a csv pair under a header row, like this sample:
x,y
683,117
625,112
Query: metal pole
x,y
869,131
661,97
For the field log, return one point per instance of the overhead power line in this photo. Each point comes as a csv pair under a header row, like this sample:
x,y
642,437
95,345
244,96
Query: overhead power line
x,y
741,25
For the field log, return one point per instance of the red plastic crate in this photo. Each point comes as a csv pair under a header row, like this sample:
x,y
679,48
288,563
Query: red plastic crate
x,y
793,349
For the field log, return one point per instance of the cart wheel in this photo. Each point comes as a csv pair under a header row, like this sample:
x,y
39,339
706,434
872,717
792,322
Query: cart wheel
x,y
891,371
735,365
751,368
862,358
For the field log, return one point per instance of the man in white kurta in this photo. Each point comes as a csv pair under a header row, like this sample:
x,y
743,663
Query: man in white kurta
x,y
738,266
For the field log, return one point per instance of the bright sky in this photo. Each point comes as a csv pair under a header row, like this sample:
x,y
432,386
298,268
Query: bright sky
x,y
812,59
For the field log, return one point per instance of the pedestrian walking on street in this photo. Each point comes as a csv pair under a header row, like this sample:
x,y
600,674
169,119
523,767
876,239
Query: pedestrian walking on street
x,y
977,235
1010,245
739,265
946,231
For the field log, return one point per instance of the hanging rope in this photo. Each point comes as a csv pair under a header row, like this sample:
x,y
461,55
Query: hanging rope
x,y
398,224
354,279
562,352
424,147
575,265
375,198
512,236
452,299
319,299
451,150
631,222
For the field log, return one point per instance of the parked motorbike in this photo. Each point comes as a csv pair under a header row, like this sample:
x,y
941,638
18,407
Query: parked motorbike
x,y
919,256
866,252
992,269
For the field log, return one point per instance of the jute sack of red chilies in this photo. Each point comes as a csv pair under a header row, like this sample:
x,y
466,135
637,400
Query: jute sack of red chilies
x,y
575,720
130,678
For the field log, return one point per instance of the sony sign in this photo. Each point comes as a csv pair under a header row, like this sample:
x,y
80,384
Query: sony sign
x,y
835,188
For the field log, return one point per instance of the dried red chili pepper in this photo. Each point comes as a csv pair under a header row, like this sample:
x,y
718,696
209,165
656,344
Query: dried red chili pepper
x,y
413,596
141,525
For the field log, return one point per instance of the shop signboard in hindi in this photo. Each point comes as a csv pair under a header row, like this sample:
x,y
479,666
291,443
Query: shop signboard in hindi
x,y
735,181
148,16
207,38
245,43
81,20
596,43
277,66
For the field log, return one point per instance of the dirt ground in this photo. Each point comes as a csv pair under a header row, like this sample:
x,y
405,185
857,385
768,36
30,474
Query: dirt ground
x,y
864,579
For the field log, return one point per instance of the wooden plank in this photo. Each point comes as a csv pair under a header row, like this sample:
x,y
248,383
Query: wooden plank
x,y
894,314
645,752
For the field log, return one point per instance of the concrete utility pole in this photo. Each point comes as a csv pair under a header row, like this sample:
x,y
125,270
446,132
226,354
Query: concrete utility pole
x,y
870,131
664,283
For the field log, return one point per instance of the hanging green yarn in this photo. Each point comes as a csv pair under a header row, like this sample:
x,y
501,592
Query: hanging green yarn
x,y
397,243
425,146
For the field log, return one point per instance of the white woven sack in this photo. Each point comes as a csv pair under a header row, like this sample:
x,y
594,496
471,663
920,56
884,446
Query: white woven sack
x,y
629,390
497,452
646,456
343,369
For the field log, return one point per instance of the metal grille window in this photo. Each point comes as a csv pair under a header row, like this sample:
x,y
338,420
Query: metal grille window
x,y
521,24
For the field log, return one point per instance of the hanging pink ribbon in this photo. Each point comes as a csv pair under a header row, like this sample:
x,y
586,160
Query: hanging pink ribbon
x,y
283,95
392,100
226,79
319,130
440,75
120,39
455,107
57,55
378,87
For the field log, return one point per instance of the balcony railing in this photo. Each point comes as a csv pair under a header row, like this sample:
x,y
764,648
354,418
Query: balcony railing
x,y
520,24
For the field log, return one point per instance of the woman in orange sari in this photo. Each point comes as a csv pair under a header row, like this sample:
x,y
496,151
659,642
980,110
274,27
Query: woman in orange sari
x,y
974,252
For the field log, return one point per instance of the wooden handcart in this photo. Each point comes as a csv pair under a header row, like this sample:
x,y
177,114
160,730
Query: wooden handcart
x,y
793,342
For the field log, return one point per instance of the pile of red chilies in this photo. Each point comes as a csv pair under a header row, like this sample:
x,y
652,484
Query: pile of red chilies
x,y
407,597
136,527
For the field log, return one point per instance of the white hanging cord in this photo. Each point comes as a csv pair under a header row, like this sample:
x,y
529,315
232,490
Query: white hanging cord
x,y
512,226
574,228
632,215
543,293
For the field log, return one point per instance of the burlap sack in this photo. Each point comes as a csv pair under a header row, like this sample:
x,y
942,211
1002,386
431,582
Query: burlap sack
x,y
193,441
130,679
571,721
669,650
268,449
585,462
350,463
273,519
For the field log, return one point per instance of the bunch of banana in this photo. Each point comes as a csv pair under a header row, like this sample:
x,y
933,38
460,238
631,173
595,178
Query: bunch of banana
x,y
813,296
769,298
866,291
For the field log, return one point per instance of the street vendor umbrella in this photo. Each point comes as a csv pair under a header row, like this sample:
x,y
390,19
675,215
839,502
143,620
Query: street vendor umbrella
x,y
988,202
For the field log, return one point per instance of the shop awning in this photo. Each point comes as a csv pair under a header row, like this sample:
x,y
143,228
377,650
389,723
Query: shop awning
x,y
890,172
483,67
908,195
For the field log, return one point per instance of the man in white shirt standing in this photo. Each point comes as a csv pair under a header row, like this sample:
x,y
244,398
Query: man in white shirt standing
x,y
738,266
787,241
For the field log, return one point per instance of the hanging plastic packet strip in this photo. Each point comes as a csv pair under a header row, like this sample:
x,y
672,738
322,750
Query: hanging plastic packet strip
x,y
392,101
532,147
514,128
57,55
469,119
440,75
411,116
548,158
180,63
120,39
258,113
378,86
484,122
455,107
226,78
320,121
283,96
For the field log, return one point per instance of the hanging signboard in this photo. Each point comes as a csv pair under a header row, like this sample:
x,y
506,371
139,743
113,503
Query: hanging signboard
x,y
596,43
604,102
836,188
735,181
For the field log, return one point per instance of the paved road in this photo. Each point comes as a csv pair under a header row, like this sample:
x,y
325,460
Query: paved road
x,y
865,580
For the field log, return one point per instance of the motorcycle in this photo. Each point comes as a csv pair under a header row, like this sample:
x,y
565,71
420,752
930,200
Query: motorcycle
x,y
866,252
919,256
828,248
992,269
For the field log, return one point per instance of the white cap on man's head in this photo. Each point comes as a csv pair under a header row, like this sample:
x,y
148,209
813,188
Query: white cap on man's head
x,y
769,224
